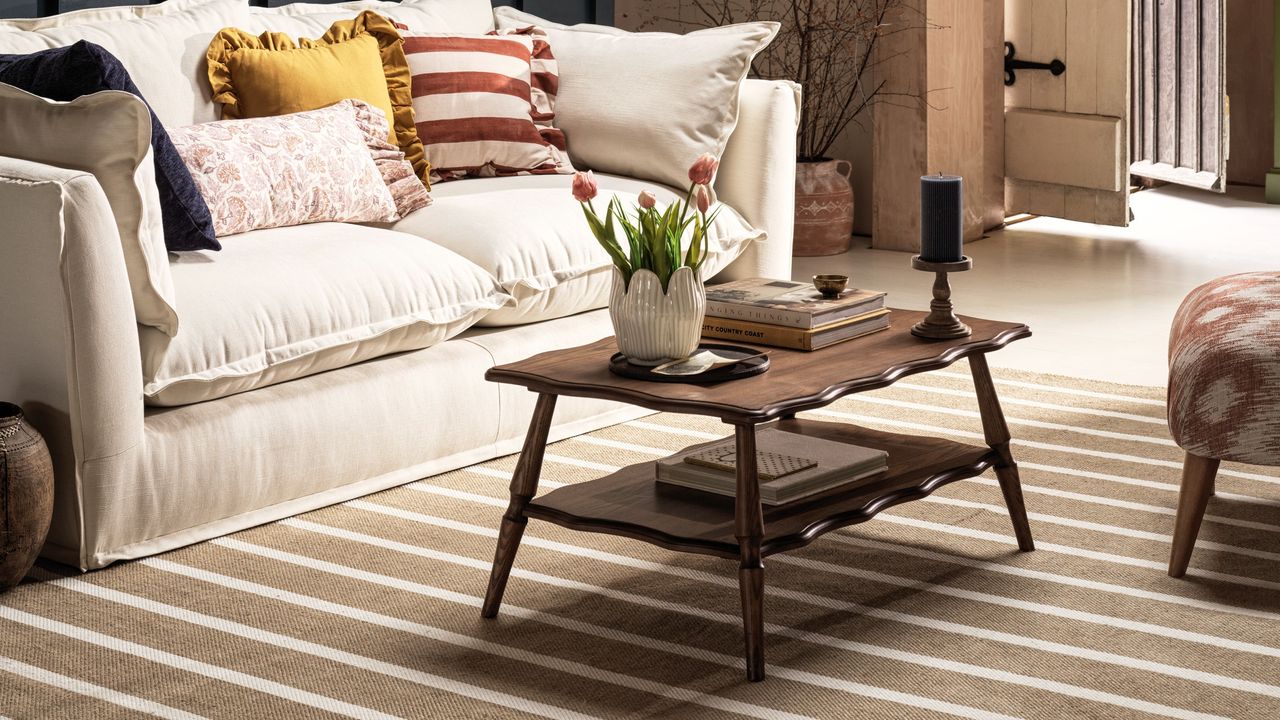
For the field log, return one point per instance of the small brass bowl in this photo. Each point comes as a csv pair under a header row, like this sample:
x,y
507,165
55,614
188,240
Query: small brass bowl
x,y
830,285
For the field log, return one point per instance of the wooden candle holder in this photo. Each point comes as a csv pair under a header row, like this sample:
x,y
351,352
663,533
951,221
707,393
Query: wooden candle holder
x,y
941,322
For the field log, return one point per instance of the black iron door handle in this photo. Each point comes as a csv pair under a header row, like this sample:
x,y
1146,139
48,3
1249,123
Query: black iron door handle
x,y
1055,66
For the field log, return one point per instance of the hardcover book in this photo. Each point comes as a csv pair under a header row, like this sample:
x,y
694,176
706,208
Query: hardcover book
x,y
783,302
795,338
790,466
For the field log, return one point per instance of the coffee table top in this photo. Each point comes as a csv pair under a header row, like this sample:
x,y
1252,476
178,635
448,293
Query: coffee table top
x,y
796,380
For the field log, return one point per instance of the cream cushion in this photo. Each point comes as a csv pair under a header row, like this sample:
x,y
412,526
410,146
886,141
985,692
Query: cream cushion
x,y
529,233
472,17
112,132
646,105
163,50
284,303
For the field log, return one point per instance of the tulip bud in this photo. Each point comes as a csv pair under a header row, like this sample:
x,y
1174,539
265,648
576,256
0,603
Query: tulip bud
x,y
703,169
585,187
702,196
648,200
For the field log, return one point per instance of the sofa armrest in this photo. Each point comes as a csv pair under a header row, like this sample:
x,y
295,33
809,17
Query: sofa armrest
x,y
69,353
757,175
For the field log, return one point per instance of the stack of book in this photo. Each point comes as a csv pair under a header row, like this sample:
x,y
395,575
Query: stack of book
x,y
790,314
790,466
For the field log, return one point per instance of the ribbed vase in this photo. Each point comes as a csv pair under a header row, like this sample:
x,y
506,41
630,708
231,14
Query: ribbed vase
x,y
651,326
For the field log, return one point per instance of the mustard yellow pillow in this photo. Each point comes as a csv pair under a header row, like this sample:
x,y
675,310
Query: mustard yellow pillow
x,y
360,59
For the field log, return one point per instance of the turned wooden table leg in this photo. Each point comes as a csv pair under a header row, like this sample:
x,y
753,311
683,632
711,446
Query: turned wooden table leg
x,y
997,435
749,529
524,484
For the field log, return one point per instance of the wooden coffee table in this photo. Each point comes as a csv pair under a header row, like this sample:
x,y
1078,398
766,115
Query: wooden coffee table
x,y
629,502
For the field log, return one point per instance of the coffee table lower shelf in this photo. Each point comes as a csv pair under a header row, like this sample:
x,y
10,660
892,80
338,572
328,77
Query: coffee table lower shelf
x,y
629,502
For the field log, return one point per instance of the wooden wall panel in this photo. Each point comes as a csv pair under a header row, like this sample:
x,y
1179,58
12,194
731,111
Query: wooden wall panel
x,y
1178,104
1250,86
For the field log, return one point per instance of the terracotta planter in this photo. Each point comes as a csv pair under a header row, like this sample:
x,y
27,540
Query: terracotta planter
x,y
824,208
651,326
26,495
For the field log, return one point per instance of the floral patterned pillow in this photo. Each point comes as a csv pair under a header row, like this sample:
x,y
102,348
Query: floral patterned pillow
x,y
328,165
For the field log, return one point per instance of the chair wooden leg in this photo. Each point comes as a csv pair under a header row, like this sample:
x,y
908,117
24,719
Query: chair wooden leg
x,y
1198,475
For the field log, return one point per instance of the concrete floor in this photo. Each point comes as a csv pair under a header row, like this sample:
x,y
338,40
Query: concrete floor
x,y
1099,299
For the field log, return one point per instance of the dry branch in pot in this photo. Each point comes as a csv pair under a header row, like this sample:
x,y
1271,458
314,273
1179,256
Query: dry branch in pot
x,y
828,46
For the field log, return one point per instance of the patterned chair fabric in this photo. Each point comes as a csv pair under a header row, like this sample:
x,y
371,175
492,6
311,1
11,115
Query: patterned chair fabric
x,y
1224,370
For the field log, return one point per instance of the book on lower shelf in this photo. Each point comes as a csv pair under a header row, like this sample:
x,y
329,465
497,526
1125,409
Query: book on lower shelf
x,y
790,466
787,303
795,338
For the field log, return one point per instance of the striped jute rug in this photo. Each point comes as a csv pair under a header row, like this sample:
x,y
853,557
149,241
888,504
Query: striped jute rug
x,y
371,608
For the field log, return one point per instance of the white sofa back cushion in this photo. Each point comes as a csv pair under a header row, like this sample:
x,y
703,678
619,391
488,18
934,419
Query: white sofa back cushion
x,y
290,302
162,47
646,105
529,233
472,17
108,134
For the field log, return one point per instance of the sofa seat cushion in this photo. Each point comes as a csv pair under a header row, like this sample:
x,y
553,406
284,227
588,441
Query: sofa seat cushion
x,y
288,302
530,234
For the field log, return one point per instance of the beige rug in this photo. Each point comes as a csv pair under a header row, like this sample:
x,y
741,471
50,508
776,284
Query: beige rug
x,y
371,608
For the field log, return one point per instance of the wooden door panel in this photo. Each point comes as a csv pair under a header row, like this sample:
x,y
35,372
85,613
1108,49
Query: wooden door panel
x,y
1180,115
1067,136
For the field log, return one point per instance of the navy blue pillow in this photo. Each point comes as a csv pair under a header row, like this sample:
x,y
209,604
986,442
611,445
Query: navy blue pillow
x,y
65,74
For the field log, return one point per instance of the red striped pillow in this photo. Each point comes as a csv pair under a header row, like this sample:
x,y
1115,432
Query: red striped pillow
x,y
480,111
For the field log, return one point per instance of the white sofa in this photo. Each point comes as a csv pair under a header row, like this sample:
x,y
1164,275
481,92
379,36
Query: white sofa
x,y
135,478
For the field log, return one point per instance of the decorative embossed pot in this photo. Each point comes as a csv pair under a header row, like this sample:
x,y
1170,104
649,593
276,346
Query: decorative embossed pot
x,y
652,326
824,207
26,495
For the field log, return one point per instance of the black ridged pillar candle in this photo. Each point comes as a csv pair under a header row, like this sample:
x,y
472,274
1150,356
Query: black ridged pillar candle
x,y
941,218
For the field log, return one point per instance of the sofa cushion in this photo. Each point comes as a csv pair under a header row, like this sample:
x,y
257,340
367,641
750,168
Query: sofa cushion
x,y
289,302
162,48
361,58
647,104
473,100
302,19
113,141
82,68
530,234
307,167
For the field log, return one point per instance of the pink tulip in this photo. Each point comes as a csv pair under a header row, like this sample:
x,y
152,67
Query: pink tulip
x,y
703,169
648,200
702,196
585,187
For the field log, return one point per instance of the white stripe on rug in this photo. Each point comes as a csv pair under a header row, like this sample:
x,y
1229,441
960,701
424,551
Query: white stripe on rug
x,y
80,687
1056,389
800,596
588,628
1006,400
734,620
305,647
1013,420
934,429
216,672
1072,550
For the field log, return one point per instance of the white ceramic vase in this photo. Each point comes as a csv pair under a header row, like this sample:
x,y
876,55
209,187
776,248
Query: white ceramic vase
x,y
651,326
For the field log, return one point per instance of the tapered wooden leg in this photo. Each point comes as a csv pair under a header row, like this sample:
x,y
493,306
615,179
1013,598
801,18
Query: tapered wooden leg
x,y
996,432
1198,475
749,529
524,484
